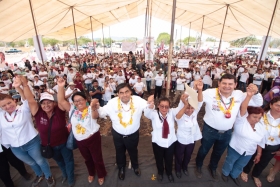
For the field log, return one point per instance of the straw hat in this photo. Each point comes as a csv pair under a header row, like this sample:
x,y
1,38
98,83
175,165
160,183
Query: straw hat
x,y
192,98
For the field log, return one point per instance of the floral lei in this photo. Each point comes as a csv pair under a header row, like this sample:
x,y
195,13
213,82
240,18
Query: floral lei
x,y
79,128
120,113
219,100
265,120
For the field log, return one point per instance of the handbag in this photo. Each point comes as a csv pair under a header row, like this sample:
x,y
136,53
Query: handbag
x,y
47,151
71,141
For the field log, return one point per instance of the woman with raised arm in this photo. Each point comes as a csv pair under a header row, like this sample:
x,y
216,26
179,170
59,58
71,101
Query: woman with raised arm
x,y
247,138
85,130
17,132
49,114
271,128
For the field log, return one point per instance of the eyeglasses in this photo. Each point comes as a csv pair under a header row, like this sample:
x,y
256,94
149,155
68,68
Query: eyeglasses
x,y
163,107
79,101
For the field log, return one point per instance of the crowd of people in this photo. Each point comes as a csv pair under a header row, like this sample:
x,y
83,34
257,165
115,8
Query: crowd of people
x,y
242,114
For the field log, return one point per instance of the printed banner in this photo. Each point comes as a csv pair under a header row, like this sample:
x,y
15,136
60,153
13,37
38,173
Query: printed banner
x,y
37,48
128,46
148,48
183,63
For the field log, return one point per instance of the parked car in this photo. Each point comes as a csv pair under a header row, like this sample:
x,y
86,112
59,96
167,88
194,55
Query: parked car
x,y
13,50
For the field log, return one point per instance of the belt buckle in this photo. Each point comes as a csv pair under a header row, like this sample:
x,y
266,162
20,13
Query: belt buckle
x,y
221,132
125,136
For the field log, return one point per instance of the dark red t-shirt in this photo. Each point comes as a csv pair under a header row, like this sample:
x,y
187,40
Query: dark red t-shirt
x,y
59,133
79,85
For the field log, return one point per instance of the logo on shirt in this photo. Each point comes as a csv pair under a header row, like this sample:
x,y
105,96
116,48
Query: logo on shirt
x,y
43,121
215,107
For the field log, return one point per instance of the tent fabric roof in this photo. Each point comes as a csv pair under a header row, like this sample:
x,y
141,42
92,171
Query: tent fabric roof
x,y
54,17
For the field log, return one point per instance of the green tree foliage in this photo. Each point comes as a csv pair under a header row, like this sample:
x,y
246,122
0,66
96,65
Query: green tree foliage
x,y
165,37
83,40
30,41
275,43
50,41
189,39
210,39
250,40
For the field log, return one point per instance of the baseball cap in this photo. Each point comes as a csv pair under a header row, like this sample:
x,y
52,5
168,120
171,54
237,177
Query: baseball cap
x,y
46,96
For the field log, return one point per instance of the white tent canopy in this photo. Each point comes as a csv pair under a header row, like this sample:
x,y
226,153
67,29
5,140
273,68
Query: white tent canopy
x,y
54,17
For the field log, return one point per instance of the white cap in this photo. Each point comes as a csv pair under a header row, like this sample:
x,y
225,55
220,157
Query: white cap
x,y
72,84
46,96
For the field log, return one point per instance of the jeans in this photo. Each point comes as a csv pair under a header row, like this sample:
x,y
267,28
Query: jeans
x,y
157,92
206,86
88,86
173,85
149,86
219,141
234,163
65,161
30,154
242,86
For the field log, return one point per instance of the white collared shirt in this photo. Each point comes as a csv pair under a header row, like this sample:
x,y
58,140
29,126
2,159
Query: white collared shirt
x,y
244,138
111,110
158,125
188,129
180,84
21,130
148,75
159,79
271,131
120,79
216,118
83,128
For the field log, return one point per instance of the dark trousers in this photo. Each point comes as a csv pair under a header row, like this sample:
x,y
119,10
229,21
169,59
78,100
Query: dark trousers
x,y
123,143
149,86
164,157
157,91
251,78
90,149
7,157
183,155
173,85
219,141
265,158
266,86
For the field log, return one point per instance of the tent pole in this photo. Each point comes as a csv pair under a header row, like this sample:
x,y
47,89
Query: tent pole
x,y
181,38
92,34
268,31
145,33
189,34
222,31
148,15
170,48
35,28
150,29
201,32
76,42
103,40
110,40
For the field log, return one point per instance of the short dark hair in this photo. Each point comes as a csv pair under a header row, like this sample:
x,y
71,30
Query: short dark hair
x,y
255,110
123,85
94,81
80,94
228,76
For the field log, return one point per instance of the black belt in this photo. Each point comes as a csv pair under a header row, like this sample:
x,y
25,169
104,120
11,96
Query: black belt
x,y
125,136
218,131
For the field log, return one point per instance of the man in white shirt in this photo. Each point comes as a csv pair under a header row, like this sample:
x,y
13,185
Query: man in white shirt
x,y
71,75
70,91
148,75
221,109
257,79
125,123
159,82
120,78
173,80
180,87
243,80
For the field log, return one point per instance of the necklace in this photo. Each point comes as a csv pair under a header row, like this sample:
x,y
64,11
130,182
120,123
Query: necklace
x,y
120,109
226,110
13,118
266,122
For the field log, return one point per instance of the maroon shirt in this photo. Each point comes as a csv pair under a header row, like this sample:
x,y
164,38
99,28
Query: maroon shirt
x,y
59,132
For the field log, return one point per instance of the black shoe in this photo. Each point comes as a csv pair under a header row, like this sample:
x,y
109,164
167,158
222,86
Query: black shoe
x,y
27,176
121,174
186,172
170,178
178,174
160,177
236,181
198,172
137,172
213,174
225,178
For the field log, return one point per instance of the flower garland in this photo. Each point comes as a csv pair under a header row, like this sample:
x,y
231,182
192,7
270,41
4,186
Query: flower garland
x,y
226,111
120,113
265,120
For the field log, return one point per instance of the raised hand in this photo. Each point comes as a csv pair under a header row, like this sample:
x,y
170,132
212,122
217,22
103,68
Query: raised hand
x,y
198,84
151,101
94,104
184,99
23,80
17,82
60,82
252,89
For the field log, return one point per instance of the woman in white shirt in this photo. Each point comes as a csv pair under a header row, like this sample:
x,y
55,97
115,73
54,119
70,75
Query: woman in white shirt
x,y
270,122
163,136
207,81
85,130
88,77
17,132
139,87
247,137
108,92
188,129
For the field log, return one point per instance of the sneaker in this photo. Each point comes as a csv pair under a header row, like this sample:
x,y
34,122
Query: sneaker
x,y
37,180
198,172
50,182
63,180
